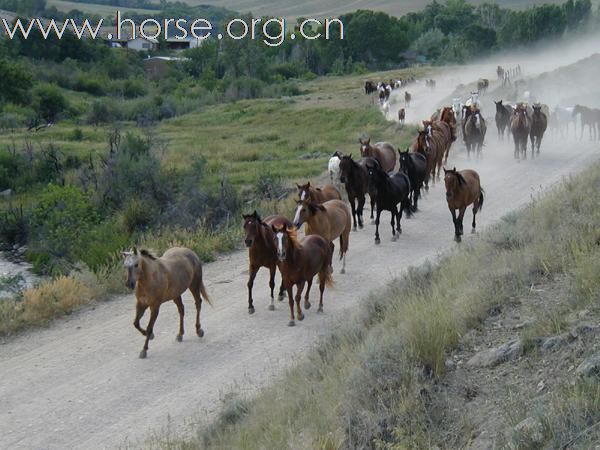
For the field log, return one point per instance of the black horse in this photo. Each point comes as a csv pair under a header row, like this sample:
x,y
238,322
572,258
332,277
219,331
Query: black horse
x,y
415,166
503,114
355,179
391,190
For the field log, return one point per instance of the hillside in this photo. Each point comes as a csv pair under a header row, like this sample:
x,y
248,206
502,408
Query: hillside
x,y
328,8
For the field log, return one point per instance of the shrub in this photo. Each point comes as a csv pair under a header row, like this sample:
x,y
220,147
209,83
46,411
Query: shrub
x,y
50,102
90,84
14,228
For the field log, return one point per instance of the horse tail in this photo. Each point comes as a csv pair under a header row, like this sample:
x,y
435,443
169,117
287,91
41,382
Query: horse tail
x,y
329,279
481,197
204,293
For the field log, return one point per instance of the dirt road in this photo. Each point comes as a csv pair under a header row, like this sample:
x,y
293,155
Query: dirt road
x,y
80,384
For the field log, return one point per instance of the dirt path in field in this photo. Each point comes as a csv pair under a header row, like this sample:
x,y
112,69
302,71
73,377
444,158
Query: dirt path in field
x,y
80,383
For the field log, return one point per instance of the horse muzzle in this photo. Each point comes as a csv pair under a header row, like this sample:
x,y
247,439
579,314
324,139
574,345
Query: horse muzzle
x,y
130,284
248,243
448,194
342,179
281,256
298,224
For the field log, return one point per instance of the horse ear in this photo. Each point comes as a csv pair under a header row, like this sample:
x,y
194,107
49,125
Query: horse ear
x,y
350,156
446,170
368,141
298,186
454,170
134,250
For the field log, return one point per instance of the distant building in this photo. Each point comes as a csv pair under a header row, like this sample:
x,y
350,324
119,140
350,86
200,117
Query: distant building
x,y
158,66
142,44
172,43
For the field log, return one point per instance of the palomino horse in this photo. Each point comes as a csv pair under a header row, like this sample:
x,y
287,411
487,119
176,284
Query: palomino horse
x,y
588,118
474,129
318,195
415,166
539,123
391,190
298,262
520,126
462,189
503,113
384,152
407,98
329,220
262,252
158,280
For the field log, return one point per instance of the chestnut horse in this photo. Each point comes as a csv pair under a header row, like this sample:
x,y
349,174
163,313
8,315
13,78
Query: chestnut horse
x,y
444,133
448,116
463,188
329,220
401,116
262,252
407,98
431,144
298,262
384,152
158,280
319,194
520,126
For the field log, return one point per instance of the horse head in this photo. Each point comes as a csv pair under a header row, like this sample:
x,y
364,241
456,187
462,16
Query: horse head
x,y
281,238
305,209
453,181
132,262
346,163
365,146
251,227
303,190
404,159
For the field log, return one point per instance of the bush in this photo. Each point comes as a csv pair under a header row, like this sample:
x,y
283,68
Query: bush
x,y
102,111
14,228
50,102
90,84
133,88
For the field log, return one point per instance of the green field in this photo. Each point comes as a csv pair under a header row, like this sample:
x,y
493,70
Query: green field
x,y
91,8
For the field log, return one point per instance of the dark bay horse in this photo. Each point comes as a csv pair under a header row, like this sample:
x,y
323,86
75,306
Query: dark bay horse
x,y
475,129
262,252
319,194
391,190
539,123
158,280
401,116
330,220
354,176
298,262
503,114
520,126
463,188
384,152
415,166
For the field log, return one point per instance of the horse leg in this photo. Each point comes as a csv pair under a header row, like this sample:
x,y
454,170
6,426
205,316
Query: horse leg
x,y
377,240
361,206
299,314
281,295
475,209
289,288
252,275
322,283
198,301
460,219
393,223
353,208
307,304
150,329
272,271
140,309
179,303
455,222
399,215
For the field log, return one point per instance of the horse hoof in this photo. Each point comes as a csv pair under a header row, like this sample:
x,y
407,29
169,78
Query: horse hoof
x,y
271,307
353,228
307,305
143,354
361,226
301,317
343,270
179,338
280,298
251,310
320,310
291,323
377,241
394,238
372,222
457,238
200,332
473,230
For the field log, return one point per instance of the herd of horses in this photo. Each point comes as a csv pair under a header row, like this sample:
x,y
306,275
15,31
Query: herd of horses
x,y
393,179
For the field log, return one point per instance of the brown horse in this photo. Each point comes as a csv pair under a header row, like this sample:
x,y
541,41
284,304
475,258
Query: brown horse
x,y
298,262
407,98
539,123
448,116
520,126
329,220
262,252
443,132
319,194
431,144
401,116
589,117
158,280
463,188
384,152
474,129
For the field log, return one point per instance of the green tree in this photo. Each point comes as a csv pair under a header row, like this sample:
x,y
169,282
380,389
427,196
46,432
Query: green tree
x,y
15,82
50,101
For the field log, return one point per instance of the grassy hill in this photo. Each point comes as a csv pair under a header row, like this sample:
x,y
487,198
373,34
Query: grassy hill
x,y
327,8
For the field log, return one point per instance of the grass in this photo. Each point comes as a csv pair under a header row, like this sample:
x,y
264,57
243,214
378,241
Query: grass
x,y
91,8
367,385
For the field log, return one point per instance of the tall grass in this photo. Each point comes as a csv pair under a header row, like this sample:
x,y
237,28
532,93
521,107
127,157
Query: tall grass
x,y
368,384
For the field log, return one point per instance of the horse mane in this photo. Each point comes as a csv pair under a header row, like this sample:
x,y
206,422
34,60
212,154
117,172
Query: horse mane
x,y
147,254
461,179
293,235
314,207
